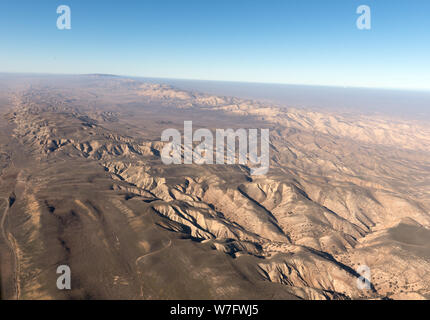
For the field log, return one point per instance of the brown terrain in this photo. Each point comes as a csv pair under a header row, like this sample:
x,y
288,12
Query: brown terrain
x,y
82,184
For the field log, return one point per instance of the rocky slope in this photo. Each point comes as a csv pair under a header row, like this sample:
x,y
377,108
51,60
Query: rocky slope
x,y
89,190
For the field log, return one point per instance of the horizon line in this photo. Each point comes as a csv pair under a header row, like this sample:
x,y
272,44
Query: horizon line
x,y
427,90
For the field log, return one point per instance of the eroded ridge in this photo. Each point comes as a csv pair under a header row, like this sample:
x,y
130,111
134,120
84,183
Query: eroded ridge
x,y
90,191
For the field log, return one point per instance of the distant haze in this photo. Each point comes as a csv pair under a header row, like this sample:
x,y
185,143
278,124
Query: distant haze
x,y
398,103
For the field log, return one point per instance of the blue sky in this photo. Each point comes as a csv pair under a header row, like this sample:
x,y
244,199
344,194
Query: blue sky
x,y
286,41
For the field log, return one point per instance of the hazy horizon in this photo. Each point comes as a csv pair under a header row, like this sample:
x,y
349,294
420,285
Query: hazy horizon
x,y
408,104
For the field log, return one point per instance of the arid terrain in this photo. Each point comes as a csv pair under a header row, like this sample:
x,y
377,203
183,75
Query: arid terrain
x,y
82,184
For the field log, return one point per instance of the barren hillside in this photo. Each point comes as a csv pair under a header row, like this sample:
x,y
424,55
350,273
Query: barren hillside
x,y
82,184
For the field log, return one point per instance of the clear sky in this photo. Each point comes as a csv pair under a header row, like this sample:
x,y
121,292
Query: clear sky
x,y
285,41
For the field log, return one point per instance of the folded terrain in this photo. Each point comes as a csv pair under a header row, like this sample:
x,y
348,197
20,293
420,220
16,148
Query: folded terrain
x,y
82,184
